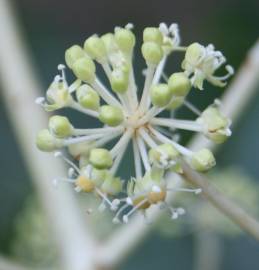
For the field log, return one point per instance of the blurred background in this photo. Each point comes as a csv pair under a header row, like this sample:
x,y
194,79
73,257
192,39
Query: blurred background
x,y
204,239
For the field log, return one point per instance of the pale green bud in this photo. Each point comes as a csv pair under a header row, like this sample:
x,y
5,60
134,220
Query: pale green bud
x,y
202,160
88,97
152,52
82,148
119,80
46,142
72,54
84,69
98,176
60,126
100,158
194,53
111,185
160,95
163,156
175,103
109,42
111,115
95,48
153,34
215,125
125,39
179,84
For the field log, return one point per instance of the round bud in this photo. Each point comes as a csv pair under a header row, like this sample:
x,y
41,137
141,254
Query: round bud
x,y
88,97
152,52
125,39
100,158
84,69
111,185
202,160
46,142
153,34
194,53
160,95
95,48
175,103
82,148
60,126
72,54
111,115
179,84
85,184
109,42
119,80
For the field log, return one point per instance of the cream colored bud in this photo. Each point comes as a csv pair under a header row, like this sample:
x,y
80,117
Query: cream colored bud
x,y
46,142
179,84
202,160
111,115
88,97
100,158
153,34
160,95
194,53
119,80
95,48
152,53
84,69
73,54
60,126
125,39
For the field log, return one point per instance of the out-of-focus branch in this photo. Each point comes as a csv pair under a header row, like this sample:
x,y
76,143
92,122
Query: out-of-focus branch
x,y
237,97
221,202
20,88
7,264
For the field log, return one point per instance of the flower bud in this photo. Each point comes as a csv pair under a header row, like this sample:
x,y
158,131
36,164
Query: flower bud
x,y
119,80
194,53
88,97
109,42
85,184
72,54
175,103
84,69
111,115
82,148
46,142
160,95
215,125
100,158
152,53
111,185
95,48
98,176
153,34
60,126
163,156
202,160
125,39
179,84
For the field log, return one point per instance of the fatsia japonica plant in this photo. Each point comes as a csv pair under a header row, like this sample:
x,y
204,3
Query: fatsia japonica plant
x,y
131,117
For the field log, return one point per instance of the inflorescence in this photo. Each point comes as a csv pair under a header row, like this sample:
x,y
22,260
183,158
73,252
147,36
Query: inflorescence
x,y
132,118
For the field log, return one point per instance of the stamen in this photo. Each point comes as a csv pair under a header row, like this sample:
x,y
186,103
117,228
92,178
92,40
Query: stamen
x,y
59,154
104,197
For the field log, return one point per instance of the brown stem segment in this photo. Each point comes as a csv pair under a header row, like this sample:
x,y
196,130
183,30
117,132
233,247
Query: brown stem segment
x,y
220,201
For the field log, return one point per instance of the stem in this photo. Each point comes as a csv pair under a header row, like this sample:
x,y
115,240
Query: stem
x,y
76,106
220,201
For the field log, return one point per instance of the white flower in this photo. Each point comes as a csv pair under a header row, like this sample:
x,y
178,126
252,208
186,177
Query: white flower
x,y
128,119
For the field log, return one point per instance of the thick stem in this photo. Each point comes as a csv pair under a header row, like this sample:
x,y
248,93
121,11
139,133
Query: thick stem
x,y
220,201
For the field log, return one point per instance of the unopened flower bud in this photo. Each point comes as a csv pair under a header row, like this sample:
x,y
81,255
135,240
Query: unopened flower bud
x,y
95,48
111,185
202,160
119,80
111,115
153,34
125,39
152,53
160,95
84,69
179,84
88,97
109,42
73,54
82,148
60,126
100,158
46,142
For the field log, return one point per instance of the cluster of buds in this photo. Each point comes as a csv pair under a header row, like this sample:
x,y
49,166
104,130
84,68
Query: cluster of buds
x,y
132,118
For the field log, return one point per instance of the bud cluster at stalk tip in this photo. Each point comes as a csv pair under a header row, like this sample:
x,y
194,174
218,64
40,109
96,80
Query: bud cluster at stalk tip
x,y
131,116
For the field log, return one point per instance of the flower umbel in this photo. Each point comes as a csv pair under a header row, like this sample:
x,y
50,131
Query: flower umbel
x,y
132,118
